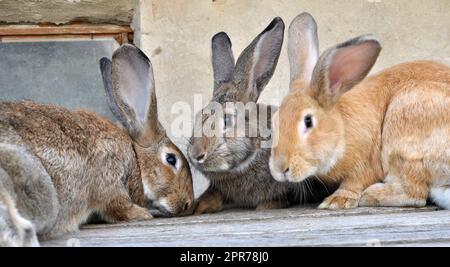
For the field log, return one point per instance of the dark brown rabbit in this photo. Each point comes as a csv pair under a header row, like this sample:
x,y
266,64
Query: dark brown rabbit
x,y
64,166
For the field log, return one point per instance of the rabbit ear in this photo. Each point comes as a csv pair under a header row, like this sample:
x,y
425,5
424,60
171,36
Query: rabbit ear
x,y
342,67
106,69
256,65
222,59
303,50
130,87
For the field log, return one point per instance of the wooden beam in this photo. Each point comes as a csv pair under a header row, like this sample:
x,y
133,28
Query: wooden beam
x,y
37,38
124,38
27,30
32,33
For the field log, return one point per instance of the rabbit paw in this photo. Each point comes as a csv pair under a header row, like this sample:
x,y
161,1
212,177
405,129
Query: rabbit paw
x,y
209,202
134,213
208,207
138,213
270,205
341,199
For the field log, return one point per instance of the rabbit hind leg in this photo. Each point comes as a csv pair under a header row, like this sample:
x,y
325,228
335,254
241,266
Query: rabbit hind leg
x,y
406,185
15,230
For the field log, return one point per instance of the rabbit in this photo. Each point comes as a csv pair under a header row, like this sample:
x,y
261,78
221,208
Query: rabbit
x,y
237,166
385,139
65,167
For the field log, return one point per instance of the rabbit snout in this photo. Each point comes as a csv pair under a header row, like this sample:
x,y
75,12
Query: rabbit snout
x,y
279,168
165,207
171,203
197,153
291,166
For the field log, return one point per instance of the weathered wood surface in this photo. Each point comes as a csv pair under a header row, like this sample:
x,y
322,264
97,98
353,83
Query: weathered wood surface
x,y
26,30
297,226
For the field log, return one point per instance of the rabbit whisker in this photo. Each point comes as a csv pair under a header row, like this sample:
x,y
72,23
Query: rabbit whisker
x,y
323,184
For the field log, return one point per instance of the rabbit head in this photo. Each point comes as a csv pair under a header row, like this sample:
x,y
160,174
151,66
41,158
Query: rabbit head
x,y
309,133
226,134
130,88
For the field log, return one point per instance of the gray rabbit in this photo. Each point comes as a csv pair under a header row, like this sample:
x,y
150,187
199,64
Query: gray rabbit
x,y
237,166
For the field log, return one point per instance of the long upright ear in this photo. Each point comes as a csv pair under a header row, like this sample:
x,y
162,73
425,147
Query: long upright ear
x,y
222,59
130,87
256,65
106,69
303,50
342,67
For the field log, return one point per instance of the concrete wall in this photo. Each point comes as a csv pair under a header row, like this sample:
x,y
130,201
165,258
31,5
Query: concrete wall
x,y
64,73
176,35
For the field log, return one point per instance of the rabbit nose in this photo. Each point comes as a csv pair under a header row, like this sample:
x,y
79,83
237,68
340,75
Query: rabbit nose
x,y
187,209
187,206
282,166
201,158
197,154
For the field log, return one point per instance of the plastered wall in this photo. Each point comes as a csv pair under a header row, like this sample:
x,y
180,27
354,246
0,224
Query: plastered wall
x,y
176,35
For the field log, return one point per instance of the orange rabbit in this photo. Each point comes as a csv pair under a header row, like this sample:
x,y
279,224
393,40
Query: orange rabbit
x,y
393,126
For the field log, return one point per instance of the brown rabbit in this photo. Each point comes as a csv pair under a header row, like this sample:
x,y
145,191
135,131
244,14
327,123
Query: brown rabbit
x,y
90,165
393,126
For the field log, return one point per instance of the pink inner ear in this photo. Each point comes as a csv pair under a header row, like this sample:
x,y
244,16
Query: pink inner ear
x,y
349,65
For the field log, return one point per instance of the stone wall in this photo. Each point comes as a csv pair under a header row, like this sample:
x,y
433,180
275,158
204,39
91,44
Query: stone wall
x,y
66,11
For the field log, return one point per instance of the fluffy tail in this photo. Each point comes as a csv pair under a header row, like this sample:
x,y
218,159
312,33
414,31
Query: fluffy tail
x,y
441,196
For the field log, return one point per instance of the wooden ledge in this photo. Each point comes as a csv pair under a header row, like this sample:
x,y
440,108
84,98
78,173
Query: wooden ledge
x,y
12,33
296,226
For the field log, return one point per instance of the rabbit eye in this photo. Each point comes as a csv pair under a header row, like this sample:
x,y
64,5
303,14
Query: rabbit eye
x,y
308,121
171,159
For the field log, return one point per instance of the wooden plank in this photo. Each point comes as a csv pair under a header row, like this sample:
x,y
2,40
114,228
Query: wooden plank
x,y
43,38
39,38
290,227
26,30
